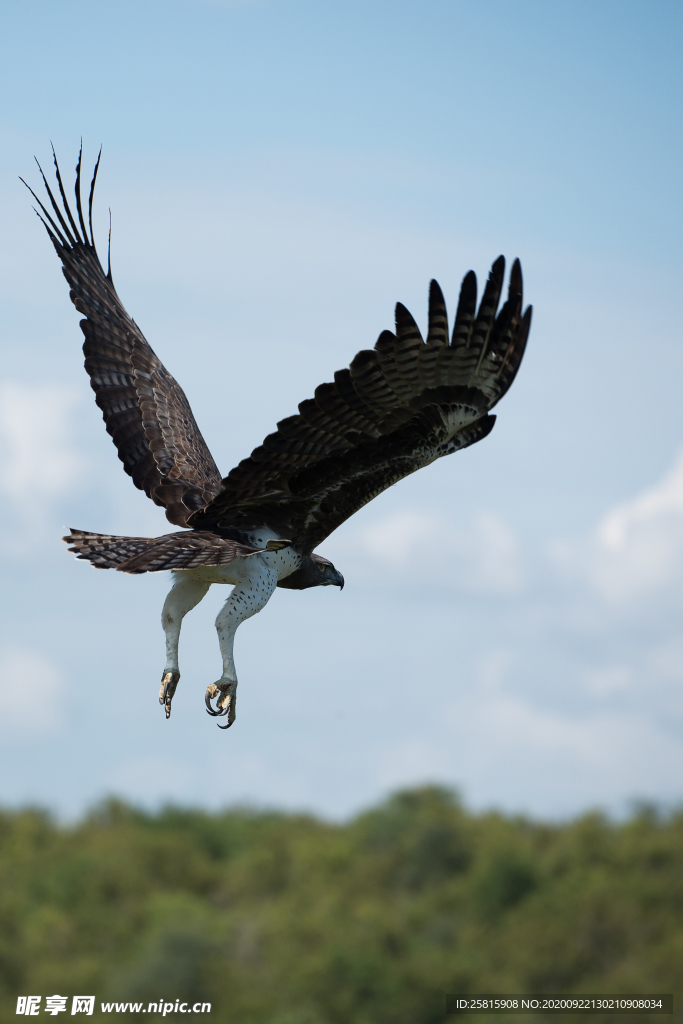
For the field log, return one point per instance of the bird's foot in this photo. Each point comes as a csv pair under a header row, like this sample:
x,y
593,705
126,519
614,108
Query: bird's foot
x,y
226,691
169,682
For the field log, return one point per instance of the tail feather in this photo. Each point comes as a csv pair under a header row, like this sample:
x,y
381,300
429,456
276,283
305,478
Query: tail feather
x,y
186,549
105,551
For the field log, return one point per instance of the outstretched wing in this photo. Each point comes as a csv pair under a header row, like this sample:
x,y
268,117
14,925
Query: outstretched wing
x,y
397,408
144,409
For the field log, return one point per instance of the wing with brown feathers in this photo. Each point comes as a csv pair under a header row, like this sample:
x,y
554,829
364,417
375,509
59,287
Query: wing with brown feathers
x,y
397,408
144,409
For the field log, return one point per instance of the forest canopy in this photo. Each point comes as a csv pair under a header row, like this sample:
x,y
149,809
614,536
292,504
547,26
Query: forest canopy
x,y
281,918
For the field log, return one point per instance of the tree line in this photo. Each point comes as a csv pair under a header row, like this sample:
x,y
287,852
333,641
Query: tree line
x,y
280,918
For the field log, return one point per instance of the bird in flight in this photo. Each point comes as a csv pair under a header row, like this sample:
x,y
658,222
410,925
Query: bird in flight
x,y
398,407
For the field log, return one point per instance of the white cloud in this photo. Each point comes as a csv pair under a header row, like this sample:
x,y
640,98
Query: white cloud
x,y
29,690
620,753
556,759
39,462
637,547
419,547
496,558
597,741
397,538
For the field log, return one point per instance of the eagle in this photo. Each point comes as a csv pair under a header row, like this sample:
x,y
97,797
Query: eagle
x,y
397,408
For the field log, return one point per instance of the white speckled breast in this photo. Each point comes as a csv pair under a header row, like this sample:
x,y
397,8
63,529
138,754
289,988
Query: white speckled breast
x,y
282,562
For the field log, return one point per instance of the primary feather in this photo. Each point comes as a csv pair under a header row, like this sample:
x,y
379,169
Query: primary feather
x,y
397,408
144,409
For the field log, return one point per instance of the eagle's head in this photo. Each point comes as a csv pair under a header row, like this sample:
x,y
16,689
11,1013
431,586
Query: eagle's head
x,y
315,571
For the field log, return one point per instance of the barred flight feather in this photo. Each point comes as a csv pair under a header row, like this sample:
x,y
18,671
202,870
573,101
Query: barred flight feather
x,y
182,550
396,408
144,409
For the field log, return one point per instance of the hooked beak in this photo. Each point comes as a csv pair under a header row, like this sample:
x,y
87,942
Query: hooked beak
x,y
339,581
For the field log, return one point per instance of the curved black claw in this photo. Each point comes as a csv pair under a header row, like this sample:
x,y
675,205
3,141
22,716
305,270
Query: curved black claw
x,y
216,692
169,682
217,712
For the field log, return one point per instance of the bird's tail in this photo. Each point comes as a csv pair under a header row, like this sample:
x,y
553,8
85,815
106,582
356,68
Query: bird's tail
x,y
184,549
108,552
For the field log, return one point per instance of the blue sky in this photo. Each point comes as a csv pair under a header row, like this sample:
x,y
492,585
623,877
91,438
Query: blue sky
x,y
280,174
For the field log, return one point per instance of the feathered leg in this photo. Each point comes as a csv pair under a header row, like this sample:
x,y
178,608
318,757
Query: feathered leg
x,y
246,599
185,594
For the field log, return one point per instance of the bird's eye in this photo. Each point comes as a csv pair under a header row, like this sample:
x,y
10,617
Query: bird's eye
x,y
322,568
